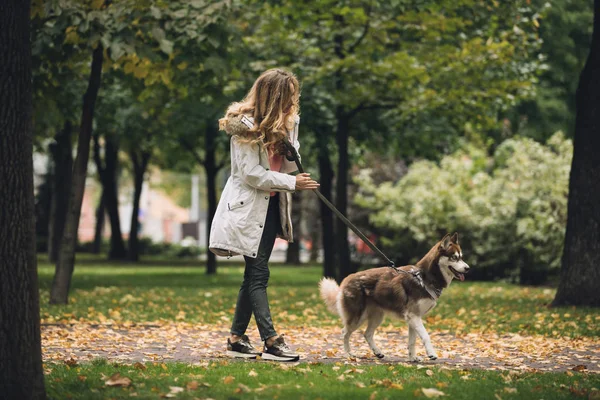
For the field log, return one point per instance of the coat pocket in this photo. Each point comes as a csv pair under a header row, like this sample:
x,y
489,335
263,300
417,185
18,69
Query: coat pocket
x,y
240,201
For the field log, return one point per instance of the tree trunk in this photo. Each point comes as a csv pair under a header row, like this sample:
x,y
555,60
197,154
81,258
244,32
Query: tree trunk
x,y
108,173
62,155
140,163
99,225
212,169
293,251
21,374
341,196
327,234
580,273
66,256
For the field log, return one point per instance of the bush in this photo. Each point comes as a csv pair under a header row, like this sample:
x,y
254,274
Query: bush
x,y
510,209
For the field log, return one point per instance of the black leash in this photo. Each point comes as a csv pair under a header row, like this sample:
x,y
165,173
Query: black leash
x,y
341,216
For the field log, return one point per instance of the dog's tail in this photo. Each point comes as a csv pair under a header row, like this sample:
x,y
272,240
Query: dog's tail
x,y
329,293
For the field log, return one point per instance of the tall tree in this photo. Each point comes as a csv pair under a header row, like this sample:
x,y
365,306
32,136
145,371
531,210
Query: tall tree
x,y
140,39
580,273
21,374
409,58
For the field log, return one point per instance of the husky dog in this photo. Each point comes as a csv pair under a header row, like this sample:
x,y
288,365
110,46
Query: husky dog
x,y
407,292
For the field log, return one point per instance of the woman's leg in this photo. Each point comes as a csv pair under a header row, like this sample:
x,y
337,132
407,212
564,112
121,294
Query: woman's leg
x,y
252,296
259,273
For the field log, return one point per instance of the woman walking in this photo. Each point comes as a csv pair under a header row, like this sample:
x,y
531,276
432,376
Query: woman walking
x,y
255,206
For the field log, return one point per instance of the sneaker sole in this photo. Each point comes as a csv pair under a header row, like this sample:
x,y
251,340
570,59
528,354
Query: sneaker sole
x,y
236,354
272,357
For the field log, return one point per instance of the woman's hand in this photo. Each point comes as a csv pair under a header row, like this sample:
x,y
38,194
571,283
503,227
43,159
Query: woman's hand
x,y
304,182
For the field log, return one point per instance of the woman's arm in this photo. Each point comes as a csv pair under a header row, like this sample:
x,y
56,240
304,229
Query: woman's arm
x,y
255,175
288,165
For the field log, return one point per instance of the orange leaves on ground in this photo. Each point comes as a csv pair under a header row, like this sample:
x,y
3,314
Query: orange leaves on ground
x,y
228,380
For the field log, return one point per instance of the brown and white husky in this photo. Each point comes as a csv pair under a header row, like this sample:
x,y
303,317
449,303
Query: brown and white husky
x,y
407,292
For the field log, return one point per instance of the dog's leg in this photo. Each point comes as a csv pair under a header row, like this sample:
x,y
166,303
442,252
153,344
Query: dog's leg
x,y
347,331
375,319
416,323
412,340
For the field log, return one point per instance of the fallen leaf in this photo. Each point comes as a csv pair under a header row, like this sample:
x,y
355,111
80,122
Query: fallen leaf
x,y
193,385
242,389
118,380
510,390
139,365
429,372
579,368
360,385
252,373
228,380
373,396
431,392
71,362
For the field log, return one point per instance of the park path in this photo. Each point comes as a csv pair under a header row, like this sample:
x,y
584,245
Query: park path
x,y
196,344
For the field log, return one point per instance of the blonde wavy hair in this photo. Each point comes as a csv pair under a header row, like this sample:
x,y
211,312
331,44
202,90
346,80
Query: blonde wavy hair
x,y
273,102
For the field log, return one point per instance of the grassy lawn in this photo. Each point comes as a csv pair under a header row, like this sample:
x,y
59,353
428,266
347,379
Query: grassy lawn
x,y
158,292
258,380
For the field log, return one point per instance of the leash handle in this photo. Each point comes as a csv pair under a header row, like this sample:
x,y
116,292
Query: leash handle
x,y
341,216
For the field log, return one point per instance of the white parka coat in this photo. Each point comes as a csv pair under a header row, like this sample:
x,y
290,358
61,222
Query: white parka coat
x,y
238,223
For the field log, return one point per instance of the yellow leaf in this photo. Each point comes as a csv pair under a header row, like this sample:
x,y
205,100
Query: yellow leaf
x,y
432,393
97,4
182,66
252,373
140,72
429,372
228,380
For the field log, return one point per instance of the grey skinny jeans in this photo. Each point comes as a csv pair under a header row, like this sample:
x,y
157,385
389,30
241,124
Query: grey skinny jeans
x,y
252,297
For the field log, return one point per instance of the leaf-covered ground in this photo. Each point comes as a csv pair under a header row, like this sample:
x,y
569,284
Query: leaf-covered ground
x,y
157,315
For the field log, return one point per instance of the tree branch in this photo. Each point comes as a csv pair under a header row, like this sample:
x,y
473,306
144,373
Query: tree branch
x,y
185,144
362,36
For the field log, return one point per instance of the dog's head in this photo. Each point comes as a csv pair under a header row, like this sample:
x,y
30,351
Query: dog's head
x,y
450,258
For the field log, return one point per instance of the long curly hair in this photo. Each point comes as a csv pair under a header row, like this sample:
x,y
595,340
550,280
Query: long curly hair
x,y
273,102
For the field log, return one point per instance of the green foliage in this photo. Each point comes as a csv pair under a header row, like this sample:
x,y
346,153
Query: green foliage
x,y
420,66
510,209
566,32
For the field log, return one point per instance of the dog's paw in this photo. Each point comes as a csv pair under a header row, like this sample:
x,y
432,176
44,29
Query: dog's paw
x,y
351,355
415,359
379,355
433,356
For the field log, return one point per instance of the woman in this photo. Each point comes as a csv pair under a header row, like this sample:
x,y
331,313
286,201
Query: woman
x,y
255,206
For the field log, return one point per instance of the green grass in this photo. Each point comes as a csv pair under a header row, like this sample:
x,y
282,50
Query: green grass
x,y
104,292
221,380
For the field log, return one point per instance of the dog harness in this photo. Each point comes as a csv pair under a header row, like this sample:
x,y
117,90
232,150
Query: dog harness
x,y
416,274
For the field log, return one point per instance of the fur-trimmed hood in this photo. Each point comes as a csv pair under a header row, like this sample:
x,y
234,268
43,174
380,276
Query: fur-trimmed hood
x,y
238,125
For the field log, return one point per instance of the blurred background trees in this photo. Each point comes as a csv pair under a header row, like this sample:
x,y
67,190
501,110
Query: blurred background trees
x,y
417,117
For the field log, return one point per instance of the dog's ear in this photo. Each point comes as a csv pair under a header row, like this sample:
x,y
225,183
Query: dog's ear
x,y
454,238
445,243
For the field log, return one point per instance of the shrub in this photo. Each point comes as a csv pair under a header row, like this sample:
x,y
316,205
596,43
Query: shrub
x,y
510,209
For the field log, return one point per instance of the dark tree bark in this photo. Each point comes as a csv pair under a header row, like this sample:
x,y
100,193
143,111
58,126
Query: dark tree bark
x,y
140,164
293,251
100,211
580,274
108,172
327,234
62,160
21,374
66,256
344,265
212,169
